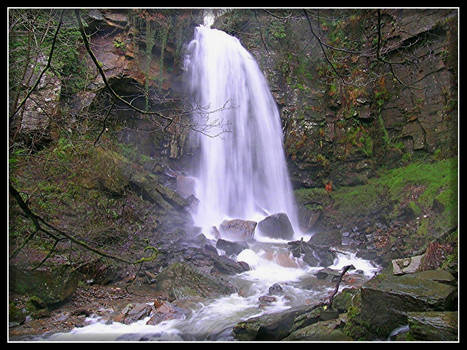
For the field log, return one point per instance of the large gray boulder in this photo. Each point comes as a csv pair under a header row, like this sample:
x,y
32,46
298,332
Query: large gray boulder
x,y
52,287
407,265
387,299
279,325
237,230
277,226
313,255
182,281
433,325
231,248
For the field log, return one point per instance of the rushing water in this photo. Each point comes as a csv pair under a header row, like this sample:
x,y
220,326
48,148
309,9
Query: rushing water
x,y
243,175
214,319
242,172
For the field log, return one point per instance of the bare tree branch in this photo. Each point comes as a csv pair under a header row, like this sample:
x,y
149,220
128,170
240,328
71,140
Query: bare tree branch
x,y
261,31
44,70
104,78
103,124
379,58
37,220
331,298
322,47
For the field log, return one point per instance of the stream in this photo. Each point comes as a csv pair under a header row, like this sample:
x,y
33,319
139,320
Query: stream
x,y
242,174
214,319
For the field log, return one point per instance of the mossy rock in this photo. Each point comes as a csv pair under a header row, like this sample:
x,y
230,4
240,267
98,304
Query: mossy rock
x,y
343,300
37,308
275,326
279,325
385,301
50,287
433,325
181,281
148,186
320,331
15,315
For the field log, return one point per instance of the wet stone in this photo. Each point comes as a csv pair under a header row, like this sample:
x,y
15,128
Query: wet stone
x,y
276,289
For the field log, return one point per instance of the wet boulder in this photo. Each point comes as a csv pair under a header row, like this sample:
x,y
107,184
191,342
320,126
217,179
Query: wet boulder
x,y
231,248
266,300
330,330
199,252
132,313
237,229
328,274
181,280
276,289
279,325
311,254
165,311
386,300
52,287
276,226
433,325
274,326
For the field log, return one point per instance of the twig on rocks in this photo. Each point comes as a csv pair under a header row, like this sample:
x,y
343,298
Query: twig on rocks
x,y
331,298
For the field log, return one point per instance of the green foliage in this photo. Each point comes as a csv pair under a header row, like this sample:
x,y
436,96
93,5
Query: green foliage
x,y
63,150
15,157
433,175
119,44
68,62
406,158
155,253
277,30
415,208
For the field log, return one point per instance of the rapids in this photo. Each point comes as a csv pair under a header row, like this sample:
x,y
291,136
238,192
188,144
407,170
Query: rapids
x,y
242,174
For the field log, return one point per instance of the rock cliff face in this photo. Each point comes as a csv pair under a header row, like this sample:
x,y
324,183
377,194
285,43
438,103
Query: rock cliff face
x,y
142,56
360,91
375,113
336,127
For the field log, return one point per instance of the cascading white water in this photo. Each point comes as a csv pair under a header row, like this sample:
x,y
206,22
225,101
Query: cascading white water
x,y
242,175
243,172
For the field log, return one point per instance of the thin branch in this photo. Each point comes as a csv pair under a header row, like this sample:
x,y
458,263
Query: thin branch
x,y
37,220
15,253
379,58
331,298
322,47
44,70
48,255
103,124
278,17
261,31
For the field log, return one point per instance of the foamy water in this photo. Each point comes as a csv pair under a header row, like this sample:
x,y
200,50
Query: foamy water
x,y
242,175
214,319
242,172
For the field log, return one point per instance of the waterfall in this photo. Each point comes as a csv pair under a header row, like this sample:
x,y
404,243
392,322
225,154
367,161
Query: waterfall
x,y
242,172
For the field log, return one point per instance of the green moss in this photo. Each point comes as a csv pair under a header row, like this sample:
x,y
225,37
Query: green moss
x,y
14,313
434,176
355,327
415,208
423,227
361,200
304,195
